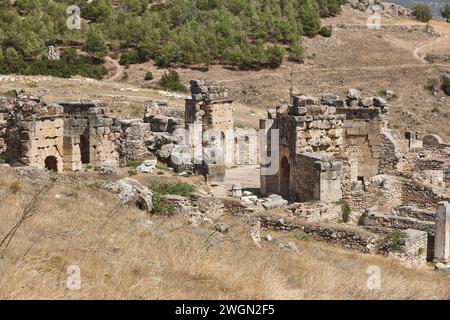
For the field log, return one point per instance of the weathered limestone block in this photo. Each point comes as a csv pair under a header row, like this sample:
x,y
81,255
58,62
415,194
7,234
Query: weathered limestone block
x,y
442,237
412,250
329,99
132,192
303,101
353,94
413,211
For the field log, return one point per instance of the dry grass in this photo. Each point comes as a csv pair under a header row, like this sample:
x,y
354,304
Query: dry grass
x,y
122,256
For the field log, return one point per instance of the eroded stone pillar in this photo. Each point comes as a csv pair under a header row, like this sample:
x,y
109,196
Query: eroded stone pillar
x,y
442,239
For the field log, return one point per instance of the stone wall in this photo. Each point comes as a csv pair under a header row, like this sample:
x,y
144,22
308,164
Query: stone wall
x,y
373,218
35,133
309,135
90,135
344,236
390,153
61,135
317,178
365,120
210,107
412,211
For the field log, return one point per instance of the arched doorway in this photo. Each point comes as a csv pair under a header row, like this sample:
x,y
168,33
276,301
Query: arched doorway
x,y
51,163
84,150
285,178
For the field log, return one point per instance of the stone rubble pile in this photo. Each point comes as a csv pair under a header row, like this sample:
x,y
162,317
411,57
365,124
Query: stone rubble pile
x,y
208,90
132,192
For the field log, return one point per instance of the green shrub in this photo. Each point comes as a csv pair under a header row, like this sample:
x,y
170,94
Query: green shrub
x,y
171,82
325,32
9,94
15,187
173,188
446,85
432,85
346,210
69,65
148,76
134,163
296,52
162,206
394,240
129,57
132,172
274,55
435,108
422,12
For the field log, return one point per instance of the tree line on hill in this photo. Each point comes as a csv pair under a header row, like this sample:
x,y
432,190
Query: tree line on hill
x,y
245,33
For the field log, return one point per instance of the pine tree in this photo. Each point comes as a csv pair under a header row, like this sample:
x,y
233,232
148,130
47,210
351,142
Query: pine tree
x,y
13,61
310,17
95,43
296,52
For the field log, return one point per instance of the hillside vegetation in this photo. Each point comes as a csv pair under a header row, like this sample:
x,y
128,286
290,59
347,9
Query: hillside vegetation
x,y
240,32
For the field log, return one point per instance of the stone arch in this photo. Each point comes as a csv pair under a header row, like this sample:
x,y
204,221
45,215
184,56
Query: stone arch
x,y
285,173
432,141
51,163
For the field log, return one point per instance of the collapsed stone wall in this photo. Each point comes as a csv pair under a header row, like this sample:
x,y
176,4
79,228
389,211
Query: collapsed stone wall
x,y
151,136
373,218
344,236
390,153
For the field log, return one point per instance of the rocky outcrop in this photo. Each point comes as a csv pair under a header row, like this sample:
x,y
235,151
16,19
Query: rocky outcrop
x,y
132,192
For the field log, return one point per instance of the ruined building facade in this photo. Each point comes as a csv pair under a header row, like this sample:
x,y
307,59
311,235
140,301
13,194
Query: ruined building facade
x,y
58,136
212,142
324,144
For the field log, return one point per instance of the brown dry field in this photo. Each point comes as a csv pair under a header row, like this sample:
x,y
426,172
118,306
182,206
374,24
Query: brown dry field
x,y
124,254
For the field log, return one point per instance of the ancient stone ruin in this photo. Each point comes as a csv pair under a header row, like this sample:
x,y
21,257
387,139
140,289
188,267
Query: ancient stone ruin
x,y
333,165
59,136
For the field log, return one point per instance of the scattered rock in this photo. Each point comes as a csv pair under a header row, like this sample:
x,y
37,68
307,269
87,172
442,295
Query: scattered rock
x,y
256,236
442,267
273,201
222,227
288,246
147,166
132,192
108,170
354,94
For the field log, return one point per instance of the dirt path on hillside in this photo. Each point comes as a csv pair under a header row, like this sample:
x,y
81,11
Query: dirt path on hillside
x,y
118,69
430,44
